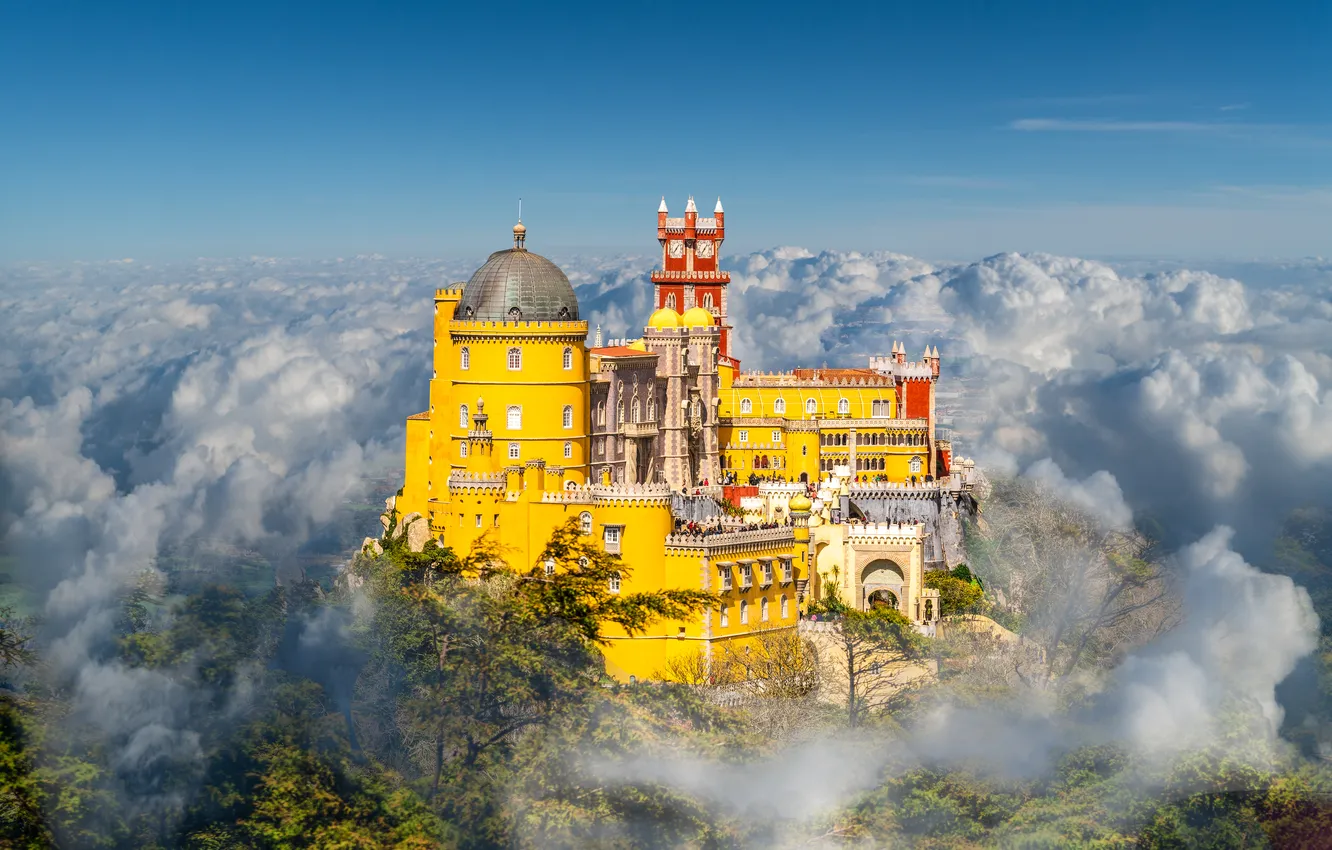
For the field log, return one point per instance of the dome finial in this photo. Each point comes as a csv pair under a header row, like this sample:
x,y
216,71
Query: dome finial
x,y
519,231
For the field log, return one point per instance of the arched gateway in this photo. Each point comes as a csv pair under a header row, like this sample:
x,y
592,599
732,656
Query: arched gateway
x,y
881,581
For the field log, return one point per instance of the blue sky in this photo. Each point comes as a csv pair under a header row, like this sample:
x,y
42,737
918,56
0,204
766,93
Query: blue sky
x,y
946,130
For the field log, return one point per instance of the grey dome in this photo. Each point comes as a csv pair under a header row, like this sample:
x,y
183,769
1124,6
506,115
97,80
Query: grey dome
x,y
517,285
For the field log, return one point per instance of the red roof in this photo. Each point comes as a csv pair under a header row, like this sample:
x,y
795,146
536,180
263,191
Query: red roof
x,y
422,415
808,374
621,351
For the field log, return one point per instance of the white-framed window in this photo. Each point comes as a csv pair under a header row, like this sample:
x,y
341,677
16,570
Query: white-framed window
x,y
742,436
725,617
670,301
550,568
725,578
744,611
514,451
779,406
514,417
582,563
568,450
811,406
478,520
763,610
767,573
567,416
915,465
612,539
462,449
613,583
601,447
568,358
786,571
746,406
585,522
882,408
785,612
776,436
465,358
464,419
843,406
746,575
515,358
707,301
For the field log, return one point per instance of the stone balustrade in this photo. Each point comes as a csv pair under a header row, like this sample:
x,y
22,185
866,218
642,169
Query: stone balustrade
x,y
732,540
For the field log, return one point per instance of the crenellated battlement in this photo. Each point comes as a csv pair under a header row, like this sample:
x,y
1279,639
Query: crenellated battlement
x,y
733,542
885,533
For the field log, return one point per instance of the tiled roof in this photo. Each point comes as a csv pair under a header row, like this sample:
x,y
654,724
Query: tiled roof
x,y
422,415
621,351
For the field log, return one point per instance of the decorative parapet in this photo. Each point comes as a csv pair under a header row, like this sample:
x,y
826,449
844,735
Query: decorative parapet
x,y
781,488
470,327
733,542
898,489
569,496
660,276
631,494
886,533
475,482
480,435
833,422
794,379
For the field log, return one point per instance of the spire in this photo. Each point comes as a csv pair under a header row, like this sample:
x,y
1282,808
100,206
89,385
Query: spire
x,y
519,236
596,341
718,208
662,207
689,207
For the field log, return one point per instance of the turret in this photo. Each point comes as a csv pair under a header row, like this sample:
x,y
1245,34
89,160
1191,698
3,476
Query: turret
x,y
721,220
661,218
691,218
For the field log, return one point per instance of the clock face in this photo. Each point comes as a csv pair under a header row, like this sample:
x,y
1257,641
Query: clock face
x,y
703,249
675,248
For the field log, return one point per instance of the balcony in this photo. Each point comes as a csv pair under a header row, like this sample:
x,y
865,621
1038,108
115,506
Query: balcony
x,y
640,429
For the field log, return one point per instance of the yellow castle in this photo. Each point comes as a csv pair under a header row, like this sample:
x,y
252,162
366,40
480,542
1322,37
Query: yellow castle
x,y
837,475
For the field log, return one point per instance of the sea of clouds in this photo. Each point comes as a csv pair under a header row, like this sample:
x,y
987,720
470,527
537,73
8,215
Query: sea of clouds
x,y
245,400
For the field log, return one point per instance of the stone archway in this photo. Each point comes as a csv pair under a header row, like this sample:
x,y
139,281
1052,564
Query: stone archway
x,y
881,579
882,596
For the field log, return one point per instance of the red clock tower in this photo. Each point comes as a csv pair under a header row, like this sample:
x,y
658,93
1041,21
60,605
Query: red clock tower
x,y
690,274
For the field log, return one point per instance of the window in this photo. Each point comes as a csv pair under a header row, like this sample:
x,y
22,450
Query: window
x,y
776,436
582,563
915,465
585,522
652,409
601,447
786,572
568,450
742,436
779,406
515,417
746,575
465,358
670,301
636,410
726,577
478,520
811,406
707,301
550,568
612,538
462,450
725,617
515,359
881,407
514,451
746,406
568,358
744,611
804,451
567,418
763,610
785,612
767,573
495,520
843,406
464,420
613,584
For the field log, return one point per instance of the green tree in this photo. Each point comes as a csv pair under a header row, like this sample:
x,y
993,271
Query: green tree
x,y
870,657
956,595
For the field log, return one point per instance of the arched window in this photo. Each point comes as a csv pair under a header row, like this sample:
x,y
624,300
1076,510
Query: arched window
x,y
585,522
744,611
465,358
515,418
707,301
601,413
567,419
464,421
763,610
568,450
746,406
785,613
568,358
515,358
514,451
915,465
811,406
652,409
462,449
636,410
843,406
779,406
613,584
725,617
670,301
550,568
